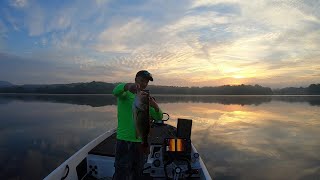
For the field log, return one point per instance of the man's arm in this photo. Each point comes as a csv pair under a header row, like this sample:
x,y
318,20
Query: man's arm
x,y
156,115
154,104
155,111
121,89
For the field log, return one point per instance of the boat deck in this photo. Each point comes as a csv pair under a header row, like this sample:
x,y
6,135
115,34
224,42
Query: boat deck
x,y
157,135
107,146
99,162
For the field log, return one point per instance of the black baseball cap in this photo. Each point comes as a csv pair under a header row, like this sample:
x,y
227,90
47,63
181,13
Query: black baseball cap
x,y
145,74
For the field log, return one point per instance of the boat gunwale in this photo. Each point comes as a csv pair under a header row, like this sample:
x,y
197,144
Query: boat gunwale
x,y
76,158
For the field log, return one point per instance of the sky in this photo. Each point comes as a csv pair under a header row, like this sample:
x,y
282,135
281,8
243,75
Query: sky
x,y
273,43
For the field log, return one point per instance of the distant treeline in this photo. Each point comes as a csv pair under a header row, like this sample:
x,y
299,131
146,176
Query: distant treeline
x,y
106,88
220,90
312,89
73,88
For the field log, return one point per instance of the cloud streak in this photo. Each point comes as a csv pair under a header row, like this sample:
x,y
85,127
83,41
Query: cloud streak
x,y
199,43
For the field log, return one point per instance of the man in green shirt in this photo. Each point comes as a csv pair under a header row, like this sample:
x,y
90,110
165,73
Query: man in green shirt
x,y
129,158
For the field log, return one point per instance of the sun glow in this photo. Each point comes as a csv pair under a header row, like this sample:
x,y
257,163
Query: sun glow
x,y
238,77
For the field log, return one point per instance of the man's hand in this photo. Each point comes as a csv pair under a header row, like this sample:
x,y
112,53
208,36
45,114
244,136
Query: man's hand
x,y
132,87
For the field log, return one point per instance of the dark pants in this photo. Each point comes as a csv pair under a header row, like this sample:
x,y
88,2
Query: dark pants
x,y
129,160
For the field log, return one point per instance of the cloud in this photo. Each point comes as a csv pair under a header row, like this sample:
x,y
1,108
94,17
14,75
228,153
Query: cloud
x,y
21,70
3,29
197,21
61,20
36,21
205,3
41,18
26,14
204,42
245,45
3,34
119,37
101,2
19,3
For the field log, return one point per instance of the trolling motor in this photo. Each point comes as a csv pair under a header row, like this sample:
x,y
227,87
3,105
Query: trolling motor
x,y
174,158
177,152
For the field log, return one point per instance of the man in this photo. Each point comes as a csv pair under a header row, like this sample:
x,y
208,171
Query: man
x,y
129,158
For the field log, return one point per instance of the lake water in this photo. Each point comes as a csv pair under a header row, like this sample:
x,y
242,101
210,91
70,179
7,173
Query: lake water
x,y
238,137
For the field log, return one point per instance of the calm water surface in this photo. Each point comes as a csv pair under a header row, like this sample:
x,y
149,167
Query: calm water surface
x,y
238,137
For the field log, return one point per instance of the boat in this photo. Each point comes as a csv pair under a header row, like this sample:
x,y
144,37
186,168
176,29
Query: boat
x,y
172,156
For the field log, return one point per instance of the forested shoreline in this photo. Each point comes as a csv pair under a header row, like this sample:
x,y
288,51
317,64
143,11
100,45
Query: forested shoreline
x,y
106,88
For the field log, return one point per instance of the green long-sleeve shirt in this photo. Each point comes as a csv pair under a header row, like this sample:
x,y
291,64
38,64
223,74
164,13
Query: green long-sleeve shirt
x,y
126,126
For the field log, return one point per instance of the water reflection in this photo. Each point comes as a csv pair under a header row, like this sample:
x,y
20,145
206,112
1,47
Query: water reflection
x,y
277,140
104,100
36,137
260,137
